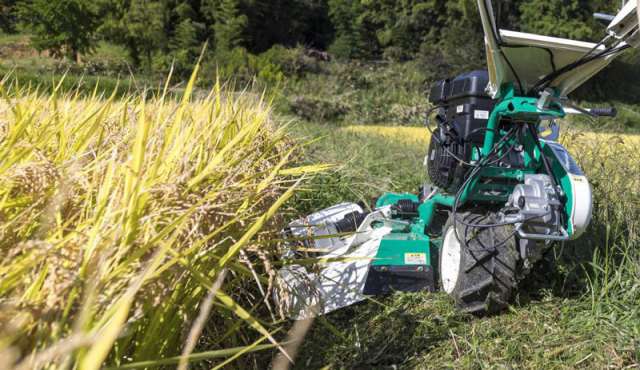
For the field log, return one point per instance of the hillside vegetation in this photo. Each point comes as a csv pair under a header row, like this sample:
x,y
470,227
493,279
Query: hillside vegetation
x,y
252,38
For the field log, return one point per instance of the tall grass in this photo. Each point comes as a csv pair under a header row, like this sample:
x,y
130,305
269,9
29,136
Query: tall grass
x,y
122,223
612,163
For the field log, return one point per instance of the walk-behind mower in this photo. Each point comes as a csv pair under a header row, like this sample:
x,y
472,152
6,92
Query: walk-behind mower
x,y
502,192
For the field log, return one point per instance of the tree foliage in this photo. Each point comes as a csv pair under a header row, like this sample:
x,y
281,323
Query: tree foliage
x,y
562,18
63,27
8,18
162,33
229,24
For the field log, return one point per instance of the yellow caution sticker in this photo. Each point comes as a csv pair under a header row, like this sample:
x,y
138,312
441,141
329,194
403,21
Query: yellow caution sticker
x,y
415,258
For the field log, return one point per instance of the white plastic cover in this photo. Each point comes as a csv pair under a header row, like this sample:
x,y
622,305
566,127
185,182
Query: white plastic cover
x,y
338,282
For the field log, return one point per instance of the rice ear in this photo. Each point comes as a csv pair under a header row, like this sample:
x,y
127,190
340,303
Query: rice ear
x,y
115,215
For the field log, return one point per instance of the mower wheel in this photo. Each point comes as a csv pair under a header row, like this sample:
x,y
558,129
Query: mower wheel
x,y
479,276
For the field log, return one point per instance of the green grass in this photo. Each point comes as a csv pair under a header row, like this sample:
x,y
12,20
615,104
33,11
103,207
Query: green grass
x,y
108,68
578,310
6,38
418,330
353,93
364,168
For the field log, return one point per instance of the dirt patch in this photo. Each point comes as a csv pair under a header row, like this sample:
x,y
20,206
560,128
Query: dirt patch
x,y
15,50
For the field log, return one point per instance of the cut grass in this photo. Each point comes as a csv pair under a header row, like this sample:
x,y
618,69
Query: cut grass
x,y
582,312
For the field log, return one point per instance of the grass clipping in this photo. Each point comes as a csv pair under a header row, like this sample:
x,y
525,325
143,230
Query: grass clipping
x,y
116,217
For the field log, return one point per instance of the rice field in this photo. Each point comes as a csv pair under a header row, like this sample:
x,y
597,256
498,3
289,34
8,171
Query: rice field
x,y
137,232
421,135
132,230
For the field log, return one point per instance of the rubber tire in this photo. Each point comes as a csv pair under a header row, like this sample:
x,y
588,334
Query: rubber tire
x,y
486,279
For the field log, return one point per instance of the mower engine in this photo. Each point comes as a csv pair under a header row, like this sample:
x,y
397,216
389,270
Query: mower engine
x,y
463,108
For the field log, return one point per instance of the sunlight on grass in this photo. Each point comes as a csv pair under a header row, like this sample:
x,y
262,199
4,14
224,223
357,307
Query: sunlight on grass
x,y
117,217
421,135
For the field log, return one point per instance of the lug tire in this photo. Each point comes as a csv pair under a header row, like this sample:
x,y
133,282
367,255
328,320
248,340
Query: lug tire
x,y
481,281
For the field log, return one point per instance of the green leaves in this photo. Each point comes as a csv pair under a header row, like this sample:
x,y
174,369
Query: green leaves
x,y
63,27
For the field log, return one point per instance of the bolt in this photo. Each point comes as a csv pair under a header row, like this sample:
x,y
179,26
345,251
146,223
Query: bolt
x,y
521,202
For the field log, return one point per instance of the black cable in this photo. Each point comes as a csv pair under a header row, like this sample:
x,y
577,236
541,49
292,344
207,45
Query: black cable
x,y
438,139
484,162
506,153
551,56
601,42
475,170
499,224
443,144
581,61
496,34
456,203
550,77
520,86
547,168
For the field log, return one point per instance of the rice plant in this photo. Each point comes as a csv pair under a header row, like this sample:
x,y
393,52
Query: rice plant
x,y
128,226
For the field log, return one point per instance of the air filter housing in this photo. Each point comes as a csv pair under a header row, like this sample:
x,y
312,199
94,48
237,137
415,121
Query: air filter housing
x,y
467,104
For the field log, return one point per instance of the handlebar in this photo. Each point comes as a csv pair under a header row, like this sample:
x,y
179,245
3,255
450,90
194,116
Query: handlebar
x,y
604,111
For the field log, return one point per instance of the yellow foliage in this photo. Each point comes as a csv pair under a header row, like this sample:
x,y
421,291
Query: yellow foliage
x,y
118,214
421,135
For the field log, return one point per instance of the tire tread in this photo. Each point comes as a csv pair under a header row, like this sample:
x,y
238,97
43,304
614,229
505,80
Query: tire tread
x,y
487,278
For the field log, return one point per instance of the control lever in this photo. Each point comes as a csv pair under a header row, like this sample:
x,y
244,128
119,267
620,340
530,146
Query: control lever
x,y
604,19
604,111
546,97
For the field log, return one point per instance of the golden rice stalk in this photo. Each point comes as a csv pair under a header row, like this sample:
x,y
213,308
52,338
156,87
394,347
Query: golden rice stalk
x,y
117,215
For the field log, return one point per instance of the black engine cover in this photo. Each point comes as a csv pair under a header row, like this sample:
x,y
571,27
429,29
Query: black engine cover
x,y
467,105
445,171
462,120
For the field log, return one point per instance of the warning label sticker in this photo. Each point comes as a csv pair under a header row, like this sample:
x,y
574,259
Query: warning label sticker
x,y
415,258
481,114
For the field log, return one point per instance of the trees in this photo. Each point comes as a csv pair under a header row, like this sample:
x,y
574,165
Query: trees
x,y
158,32
144,26
352,39
399,30
138,25
7,16
63,27
229,25
561,18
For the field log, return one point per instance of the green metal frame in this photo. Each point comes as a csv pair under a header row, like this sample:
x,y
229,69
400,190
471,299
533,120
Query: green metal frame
x,y
516,108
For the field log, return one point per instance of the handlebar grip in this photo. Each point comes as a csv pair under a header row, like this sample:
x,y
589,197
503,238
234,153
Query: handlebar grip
x,y
604,111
